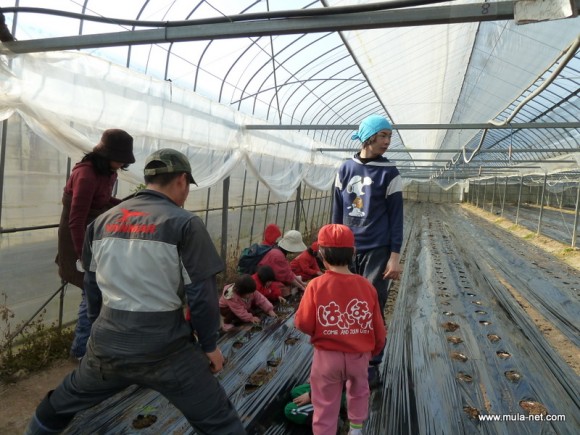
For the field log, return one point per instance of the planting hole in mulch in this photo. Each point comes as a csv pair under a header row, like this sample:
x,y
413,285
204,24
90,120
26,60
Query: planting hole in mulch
x,y
256,328
454,339
485,322
464,377
444,303
512,376
533,407
259,378
476,302
472,412
274,362
292,340
481,312
450,326
448,313
458,356
238,344
471,295
494,338
143,421
503,354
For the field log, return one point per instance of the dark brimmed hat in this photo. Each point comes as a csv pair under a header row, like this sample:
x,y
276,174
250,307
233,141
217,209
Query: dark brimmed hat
x,y
116,145
172,162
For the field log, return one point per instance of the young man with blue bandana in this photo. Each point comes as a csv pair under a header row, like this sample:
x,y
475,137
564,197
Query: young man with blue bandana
x,y
368,198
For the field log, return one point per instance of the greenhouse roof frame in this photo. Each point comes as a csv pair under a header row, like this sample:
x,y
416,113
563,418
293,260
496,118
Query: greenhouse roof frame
x,y
312,70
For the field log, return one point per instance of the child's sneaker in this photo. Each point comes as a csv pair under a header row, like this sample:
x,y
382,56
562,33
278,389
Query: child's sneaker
x,y
355,429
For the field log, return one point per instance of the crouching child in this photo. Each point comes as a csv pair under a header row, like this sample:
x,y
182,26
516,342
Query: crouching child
x,y
240,302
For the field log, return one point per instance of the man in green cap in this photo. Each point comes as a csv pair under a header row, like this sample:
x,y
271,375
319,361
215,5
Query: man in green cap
x,y
143,259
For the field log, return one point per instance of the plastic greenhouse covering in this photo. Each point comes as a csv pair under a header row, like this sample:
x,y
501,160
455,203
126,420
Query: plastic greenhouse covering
x,y
263,96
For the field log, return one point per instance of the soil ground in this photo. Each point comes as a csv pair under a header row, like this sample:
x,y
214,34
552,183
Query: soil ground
x,y
19,400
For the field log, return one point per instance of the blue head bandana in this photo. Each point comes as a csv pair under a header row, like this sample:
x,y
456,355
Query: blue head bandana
x,y
371,125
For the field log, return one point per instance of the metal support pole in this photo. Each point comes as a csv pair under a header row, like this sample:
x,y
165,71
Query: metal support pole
x,y
307,220
542,205
519,198
225,208
504,195
254,211
2,163
575,229
242,209
493,194
267,210
286,217
207,205
484,194
297,209
429,192
330,202
61,305
477,195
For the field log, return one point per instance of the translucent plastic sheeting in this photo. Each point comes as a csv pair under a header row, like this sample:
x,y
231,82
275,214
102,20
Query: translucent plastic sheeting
x,y
458,73
460,346
70,98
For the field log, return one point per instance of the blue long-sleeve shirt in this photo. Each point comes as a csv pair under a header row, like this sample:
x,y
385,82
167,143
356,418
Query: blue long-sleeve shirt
x,y
368,198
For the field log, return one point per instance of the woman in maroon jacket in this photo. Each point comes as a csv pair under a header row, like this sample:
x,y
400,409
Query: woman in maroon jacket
x,y
87,194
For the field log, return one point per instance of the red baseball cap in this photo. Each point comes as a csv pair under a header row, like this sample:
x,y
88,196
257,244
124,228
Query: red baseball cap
x,y
335,236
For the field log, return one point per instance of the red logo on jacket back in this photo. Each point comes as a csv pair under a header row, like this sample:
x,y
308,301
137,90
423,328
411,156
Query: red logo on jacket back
x,y
129,213
122,225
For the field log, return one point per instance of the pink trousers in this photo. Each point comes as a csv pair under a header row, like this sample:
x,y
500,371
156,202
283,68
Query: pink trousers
x,y
330,371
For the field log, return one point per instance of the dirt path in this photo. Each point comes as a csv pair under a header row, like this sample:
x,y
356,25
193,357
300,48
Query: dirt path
x,y
19,400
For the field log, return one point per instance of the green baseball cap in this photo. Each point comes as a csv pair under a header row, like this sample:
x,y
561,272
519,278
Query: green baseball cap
x,y
172,160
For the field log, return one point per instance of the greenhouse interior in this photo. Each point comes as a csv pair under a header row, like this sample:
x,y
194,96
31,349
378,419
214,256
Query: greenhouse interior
x,y
263,97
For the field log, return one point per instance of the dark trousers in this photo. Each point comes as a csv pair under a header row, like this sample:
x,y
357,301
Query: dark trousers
x,y
182,376
371,264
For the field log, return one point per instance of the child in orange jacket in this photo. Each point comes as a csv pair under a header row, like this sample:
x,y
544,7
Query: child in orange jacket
x,y
341,313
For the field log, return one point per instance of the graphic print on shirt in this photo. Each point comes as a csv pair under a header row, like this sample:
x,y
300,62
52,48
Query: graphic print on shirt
x,y
356,185
355,319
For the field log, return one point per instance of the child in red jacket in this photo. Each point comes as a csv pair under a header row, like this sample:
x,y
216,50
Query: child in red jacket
x,y
239,300
340,311
267,285
305,265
